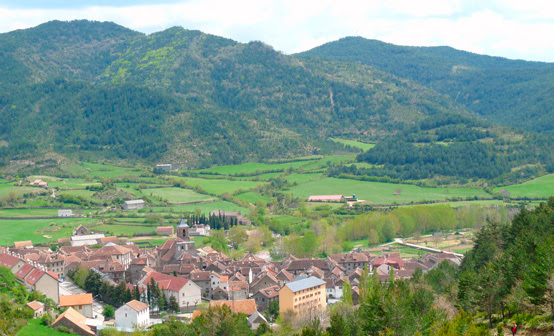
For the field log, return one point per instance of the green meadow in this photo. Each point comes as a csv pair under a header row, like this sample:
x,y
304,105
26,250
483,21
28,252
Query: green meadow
x,y
378,192
178,195
220,186
356,144
542,187
36,229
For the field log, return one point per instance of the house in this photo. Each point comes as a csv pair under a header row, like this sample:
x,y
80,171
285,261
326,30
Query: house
x,y
82,303
265,296
86,240
81,231
65,213
303,296
326,198
113,252
11,262
39,183
164,230
53,262
45,282
74,321
203,280
166,166
37,308
133,205
186,292
27,244
352,260
255,320
133,314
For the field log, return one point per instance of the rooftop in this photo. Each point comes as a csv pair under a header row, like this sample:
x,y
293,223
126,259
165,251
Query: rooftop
x,y
305,283
75,300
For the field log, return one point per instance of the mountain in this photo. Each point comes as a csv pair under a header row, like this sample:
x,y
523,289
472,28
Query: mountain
x,y
98,90
510,92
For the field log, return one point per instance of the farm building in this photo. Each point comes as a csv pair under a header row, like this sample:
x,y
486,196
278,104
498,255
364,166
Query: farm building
x,y
166,166
26,244
39,183
65,213
133,205
326,198
164,230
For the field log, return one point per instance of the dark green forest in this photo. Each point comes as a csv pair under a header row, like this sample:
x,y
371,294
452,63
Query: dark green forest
x,y
91,90
510,92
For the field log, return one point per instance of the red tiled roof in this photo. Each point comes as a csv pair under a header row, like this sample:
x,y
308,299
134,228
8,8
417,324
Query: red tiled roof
x,y
34,276
78,320
247,306
24,271
137,305
168,282
8,261
35,305
75,300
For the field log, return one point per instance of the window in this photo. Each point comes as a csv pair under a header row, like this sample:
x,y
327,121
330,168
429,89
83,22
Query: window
x,y
80,307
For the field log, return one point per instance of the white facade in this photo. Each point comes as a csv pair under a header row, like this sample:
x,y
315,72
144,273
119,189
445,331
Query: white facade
x,y
65,213
127,317
188,296
132,205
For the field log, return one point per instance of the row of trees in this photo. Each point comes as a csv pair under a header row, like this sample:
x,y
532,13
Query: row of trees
x,y
120,294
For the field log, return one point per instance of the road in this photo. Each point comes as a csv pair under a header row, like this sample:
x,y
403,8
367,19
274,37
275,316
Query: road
x,y
68,287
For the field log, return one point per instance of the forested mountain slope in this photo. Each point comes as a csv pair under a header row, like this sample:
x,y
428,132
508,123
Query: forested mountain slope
x,y
511,92
98,89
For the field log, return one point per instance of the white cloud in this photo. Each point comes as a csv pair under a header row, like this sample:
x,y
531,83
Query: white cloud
x,y
510,28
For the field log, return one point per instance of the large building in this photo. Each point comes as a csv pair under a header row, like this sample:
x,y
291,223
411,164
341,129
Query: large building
x,y
303,296
133,314
133,205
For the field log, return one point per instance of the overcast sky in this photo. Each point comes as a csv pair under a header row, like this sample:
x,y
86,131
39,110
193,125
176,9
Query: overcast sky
x,y
518,29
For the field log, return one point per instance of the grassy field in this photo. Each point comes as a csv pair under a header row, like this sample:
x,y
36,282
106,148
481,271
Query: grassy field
x,y
72,183
252,197
126,230
356,144
36,229
220,186
28,212
35,328
249,168
379,193
8,188
178,195
542,187
302,178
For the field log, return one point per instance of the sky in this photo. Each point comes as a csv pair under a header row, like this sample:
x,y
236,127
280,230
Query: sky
x,y
517,29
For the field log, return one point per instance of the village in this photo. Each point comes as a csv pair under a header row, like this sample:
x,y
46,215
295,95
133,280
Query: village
x,y
193,278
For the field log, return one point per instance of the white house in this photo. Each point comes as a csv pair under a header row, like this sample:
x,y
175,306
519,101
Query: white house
x,y
186,292
65,213
133,314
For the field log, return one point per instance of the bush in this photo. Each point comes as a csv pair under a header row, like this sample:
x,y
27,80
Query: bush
x,y
46,320
108,312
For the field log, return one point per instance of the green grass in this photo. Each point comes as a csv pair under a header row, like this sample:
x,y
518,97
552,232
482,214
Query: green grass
x,y
302,178
356,144
462,250
249,168
8,188
83,193
17,230
178,195
220,186
206,208
126,230
252,197
35,328
28,212
542,187
379,193
71,183
286,219
74,169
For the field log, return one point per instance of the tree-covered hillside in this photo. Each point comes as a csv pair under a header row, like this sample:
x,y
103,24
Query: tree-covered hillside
x,y
511,92
92,89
